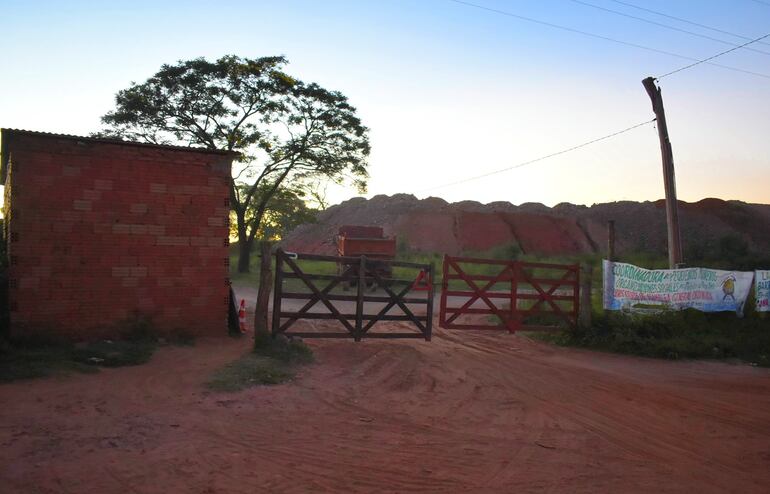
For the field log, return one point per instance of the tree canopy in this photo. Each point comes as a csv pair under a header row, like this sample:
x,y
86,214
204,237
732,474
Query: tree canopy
x,y
289,207
284,130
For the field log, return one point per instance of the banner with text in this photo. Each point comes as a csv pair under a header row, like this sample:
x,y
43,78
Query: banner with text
x,y
627,287
762,290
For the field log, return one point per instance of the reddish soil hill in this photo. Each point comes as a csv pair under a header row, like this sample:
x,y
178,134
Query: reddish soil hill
x,y
433,225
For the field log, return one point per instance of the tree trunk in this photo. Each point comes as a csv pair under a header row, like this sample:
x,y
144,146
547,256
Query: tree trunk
x,y
246,236
244,242
261,331
244,253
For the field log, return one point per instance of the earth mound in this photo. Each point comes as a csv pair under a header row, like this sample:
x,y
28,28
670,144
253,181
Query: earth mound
x,y
434,225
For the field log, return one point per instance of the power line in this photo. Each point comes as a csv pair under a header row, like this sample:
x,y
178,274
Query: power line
x,y
525,163
665,26
680,19
605,38
614,134
705,60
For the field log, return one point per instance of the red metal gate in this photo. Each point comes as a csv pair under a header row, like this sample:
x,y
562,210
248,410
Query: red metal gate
x,y
520,295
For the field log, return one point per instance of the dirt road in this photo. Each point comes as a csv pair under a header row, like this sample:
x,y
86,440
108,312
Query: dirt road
x,y
464,413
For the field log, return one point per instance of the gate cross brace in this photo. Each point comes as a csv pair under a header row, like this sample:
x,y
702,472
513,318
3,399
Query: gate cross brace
x,y
397,299
479,293
385,309
320,295
314,299
548,296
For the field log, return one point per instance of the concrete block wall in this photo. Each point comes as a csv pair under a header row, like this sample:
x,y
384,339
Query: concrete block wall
x,y
100,233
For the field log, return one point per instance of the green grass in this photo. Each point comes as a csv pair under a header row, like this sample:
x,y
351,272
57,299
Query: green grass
x,y
688,334
107,353
672,335
249,370
274,362
30,363
38,356
726,257
325,267
28,360
292,352
252,277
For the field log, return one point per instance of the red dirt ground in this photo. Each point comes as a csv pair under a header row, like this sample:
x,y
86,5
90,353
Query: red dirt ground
x,y
467,412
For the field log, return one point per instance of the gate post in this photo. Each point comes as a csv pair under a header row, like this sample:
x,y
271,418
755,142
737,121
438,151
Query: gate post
x,y
429,322
584,318
261,331
360,299
514,323
277,292
444,287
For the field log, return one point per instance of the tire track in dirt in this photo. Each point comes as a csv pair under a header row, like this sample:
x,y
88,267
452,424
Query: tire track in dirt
x,y
469,411
627,429
344,404
587,420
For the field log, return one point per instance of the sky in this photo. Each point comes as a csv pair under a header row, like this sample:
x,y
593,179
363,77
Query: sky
x,y
449,91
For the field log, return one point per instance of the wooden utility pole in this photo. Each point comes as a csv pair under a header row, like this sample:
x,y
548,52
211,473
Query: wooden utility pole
x,y
611,240
261,326
669,182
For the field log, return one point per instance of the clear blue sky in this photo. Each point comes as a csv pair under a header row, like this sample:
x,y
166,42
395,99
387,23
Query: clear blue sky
x,y
448,90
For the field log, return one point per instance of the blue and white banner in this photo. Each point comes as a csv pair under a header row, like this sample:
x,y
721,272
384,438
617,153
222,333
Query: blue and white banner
x,y
628,287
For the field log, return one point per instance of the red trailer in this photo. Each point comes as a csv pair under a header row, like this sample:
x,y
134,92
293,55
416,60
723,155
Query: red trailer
x,y
369,241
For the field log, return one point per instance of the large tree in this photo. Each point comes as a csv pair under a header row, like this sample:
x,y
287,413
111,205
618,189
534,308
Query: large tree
x,y
285,131
288,208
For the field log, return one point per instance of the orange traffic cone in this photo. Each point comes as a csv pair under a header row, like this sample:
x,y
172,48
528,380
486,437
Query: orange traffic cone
x,y
242,316
422,283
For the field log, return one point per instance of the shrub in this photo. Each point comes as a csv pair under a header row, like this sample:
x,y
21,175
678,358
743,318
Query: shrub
x,y
273,361
674,335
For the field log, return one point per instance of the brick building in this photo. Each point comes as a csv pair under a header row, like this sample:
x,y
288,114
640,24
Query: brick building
x,y
100,232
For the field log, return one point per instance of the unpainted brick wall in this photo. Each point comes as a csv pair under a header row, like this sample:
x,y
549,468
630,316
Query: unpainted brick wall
x,y
100,233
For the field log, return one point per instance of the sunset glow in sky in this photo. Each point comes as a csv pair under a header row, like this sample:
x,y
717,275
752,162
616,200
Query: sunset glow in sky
x,y
448,90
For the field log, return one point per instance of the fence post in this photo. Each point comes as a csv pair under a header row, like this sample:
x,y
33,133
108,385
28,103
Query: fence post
x,y
261,328
584,317
360,299
444,288
611,240
277,292
429,322
515,321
